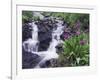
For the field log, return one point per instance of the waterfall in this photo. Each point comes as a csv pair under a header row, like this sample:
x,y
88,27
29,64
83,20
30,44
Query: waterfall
x,y
31,44
51,52
56,36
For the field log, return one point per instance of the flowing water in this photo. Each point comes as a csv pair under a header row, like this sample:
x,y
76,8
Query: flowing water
x,y
31,45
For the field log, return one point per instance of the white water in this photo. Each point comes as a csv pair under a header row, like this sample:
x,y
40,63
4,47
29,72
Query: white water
x,y
31,44
51,52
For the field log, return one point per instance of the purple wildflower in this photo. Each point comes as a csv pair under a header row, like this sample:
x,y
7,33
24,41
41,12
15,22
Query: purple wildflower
x,y
66,36
82,42
78,33
78,24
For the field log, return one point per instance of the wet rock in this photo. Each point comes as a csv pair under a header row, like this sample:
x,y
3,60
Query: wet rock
x,y
45,29
45,34
59,48
44,44
45,25
29,60
26,31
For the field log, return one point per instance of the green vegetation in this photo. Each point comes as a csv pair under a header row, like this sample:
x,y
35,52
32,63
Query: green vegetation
x,y
70,18
75,48
26,16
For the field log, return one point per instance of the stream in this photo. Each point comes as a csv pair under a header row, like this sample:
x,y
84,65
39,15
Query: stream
x,y
40,41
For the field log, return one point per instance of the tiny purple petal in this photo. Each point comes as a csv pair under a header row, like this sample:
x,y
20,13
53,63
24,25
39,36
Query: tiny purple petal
x,y
78,33
78,24
82,42
66,36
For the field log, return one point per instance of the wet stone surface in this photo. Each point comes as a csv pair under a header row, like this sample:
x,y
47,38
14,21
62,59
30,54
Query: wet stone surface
x,y
45,31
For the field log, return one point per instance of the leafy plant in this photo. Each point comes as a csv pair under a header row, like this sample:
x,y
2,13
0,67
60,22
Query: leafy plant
x,y
76,49
76,45
26,16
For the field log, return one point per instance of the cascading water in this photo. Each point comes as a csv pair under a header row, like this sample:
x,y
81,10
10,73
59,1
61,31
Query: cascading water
x,y
51,52
31,45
